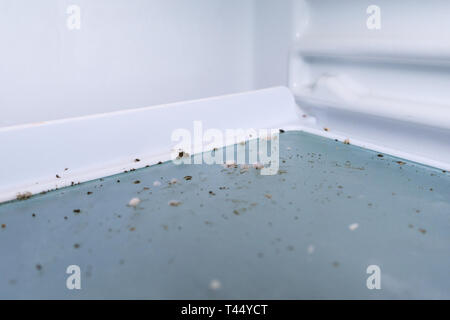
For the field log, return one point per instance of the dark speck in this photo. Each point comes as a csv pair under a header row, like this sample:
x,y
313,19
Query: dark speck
x,y
3,226
137,160
76,245
76,210
380,155
137,182
38,267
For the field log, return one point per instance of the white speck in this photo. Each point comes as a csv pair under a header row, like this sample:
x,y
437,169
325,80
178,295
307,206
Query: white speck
x,y
156,184
353,226
288,148
311,249
134,202
173,181
174,203
215,284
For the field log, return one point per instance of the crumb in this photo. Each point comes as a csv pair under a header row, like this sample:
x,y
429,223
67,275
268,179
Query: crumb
x,y
77,211
156,184
132,229
215,284
212,193
353,226
58,177
76,245
347,141
137,160
423,231
24,196
230,164
134,202
173,181
258,166
3,226
137,182
326,129
174,203
268,196
187,178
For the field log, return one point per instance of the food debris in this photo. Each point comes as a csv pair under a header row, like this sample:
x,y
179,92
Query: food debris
x,y
353,226
230,164
76,210
134,202
423,231
58,177
137,160
268,196
156,184
258,166
326,129
347,141
187,178
3,226
174,203
215,284
76,245
401,163
137,182
24,196
212,193
173,181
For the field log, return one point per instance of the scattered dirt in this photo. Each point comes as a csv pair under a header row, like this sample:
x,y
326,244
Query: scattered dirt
x,y
24,196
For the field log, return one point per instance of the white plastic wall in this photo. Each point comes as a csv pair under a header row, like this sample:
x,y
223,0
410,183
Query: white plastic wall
x,y
135,53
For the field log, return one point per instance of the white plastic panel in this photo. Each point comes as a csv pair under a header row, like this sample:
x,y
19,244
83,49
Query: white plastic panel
x,y
135,53
377,73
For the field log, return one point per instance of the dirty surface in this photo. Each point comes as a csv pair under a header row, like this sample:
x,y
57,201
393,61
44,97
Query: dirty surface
x,y
309,232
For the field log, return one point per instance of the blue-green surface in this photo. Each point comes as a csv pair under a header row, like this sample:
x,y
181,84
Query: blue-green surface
x,y
272,237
